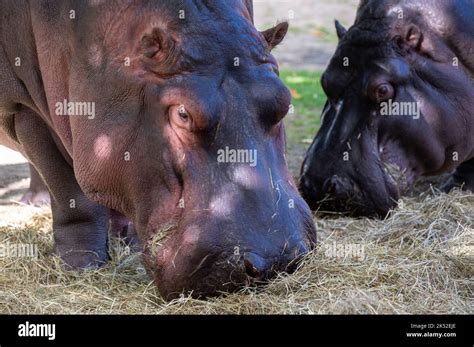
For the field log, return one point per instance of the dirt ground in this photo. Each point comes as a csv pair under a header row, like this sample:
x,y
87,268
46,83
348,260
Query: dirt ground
x,y
14,180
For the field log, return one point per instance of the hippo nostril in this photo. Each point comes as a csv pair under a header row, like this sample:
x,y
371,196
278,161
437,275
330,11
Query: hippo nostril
x,y
337,186
332,185
254,266
251,270
296,255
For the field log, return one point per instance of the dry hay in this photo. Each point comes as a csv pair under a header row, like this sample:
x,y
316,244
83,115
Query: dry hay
x,y
419,260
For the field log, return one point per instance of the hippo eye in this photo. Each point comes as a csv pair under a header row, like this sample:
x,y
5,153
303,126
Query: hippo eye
x,y
383,92
183,114
180,117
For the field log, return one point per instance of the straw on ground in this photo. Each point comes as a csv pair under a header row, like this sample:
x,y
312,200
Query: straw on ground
x,y
419,260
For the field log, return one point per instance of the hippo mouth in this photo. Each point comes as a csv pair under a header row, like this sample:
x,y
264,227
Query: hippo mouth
x,y
396,177
213,274
371,188
399,175
203,281
185,257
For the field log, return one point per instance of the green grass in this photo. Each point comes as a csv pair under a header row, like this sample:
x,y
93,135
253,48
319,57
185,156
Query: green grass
x,y
325,34
319,32
308,102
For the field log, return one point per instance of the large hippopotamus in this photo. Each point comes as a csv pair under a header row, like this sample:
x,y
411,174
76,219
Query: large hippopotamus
x,y
165,113
400,91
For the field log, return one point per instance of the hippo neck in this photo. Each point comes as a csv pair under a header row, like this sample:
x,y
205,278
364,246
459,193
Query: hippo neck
x,y
57,22
37,40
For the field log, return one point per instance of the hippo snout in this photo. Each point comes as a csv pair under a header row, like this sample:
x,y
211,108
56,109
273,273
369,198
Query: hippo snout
x,y
210,257
335,192
259,268
343,194
318,192
339,187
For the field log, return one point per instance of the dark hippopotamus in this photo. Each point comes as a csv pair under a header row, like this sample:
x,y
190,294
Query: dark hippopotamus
x,y
166,112
400,88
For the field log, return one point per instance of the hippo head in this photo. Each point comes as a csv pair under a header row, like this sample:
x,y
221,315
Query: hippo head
x,y
188,142
398,87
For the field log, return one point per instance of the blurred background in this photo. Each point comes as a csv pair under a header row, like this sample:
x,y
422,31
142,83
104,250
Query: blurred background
x,y
302,56
312,39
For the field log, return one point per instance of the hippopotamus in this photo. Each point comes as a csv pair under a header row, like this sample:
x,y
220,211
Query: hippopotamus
x,y
125,110
399,106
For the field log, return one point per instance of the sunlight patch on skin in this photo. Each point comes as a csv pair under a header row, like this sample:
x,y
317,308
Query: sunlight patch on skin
x,y
102,147
222,204
395,10
95,56
191,236
246,176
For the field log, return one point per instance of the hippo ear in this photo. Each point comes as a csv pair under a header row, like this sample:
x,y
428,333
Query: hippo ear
x,y
340,30
154,43
275,35
413,37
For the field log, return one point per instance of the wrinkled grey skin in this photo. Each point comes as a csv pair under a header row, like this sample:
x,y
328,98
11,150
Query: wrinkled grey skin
x,y
361,161
143,156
